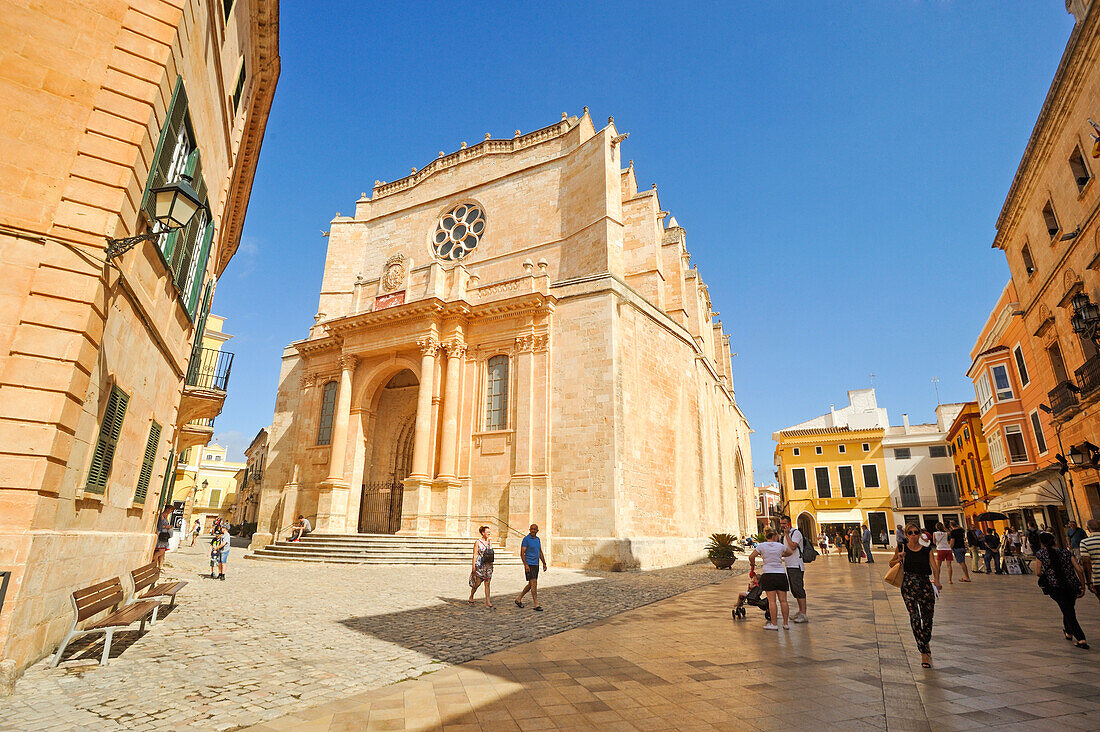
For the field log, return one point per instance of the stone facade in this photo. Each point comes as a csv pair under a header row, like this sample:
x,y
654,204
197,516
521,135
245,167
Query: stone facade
x,y
87,91
513,334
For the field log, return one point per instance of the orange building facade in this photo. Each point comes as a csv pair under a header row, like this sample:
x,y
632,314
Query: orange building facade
x,y
970,453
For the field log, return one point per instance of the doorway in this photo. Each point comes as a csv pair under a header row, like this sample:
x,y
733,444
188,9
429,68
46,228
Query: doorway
x,y
389,456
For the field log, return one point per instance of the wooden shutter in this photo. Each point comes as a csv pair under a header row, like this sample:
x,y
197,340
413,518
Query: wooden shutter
x,y
183,242
200,270
162,159
200,330
109,429
169,481
146,473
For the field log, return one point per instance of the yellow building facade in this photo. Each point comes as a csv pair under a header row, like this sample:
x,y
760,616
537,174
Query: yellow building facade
x,y
206,487
833,479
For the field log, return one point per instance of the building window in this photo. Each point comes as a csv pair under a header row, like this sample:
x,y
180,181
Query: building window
x,y
185,250
1029,265
966,434
1037,428
238,89
907,488
847,481
870,476
797,452
969,486
841,449
867,447
1021,367
109,429
937,451
798,478
458,232
146,473
1017,450
974,472
958,443
227,5
997,451
1051,221
328,409
821,476
902,453
947,492
215,498
1080,171
985,394
1000,380
817,449
496,407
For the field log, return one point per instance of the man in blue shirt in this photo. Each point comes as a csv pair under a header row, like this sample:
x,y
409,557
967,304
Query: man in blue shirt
x,y
530,552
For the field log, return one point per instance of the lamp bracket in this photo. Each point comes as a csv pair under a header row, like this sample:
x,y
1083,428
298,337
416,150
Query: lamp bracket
x,y
117,247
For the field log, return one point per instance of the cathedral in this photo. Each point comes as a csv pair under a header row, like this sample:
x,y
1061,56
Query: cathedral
x,y
513,334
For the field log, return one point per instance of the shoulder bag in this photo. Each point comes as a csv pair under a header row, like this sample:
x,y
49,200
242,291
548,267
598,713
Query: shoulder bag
x,y
896,573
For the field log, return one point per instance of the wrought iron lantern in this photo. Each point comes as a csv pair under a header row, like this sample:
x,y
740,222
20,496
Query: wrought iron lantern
x,y
174,205
1086,316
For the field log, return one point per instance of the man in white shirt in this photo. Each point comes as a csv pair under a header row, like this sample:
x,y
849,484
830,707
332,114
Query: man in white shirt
x,y
795,568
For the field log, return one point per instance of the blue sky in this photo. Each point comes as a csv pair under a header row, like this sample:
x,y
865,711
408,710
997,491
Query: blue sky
x,y
838,166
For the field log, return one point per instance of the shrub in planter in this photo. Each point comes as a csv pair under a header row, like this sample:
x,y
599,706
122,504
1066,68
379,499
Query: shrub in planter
x,y
720,550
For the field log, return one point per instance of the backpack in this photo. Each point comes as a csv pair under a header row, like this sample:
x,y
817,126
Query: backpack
x,y
807,551
487,556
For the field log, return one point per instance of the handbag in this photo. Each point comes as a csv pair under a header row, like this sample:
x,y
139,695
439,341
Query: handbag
x,y
488,556
164,535
894,575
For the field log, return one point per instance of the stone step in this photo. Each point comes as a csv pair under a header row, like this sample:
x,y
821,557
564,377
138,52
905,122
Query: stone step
x,y
261,555
380,549
425,556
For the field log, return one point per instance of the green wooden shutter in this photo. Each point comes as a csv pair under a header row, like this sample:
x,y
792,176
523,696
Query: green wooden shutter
x,y
181,244
169,483
146,473
200,330
200,271
162,159
109,429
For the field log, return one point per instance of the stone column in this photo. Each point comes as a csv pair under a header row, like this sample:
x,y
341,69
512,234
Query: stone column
x,y
447,482
332,498
418,486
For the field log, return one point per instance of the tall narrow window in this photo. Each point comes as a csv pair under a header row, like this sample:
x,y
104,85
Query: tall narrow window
x,y
1037,428
997,451
238,90
966,475
847,481
985,394
146,473
1017,450
1057,364
1018,353
1029,264
1000,380
798,478
328,409
496,402
1051,221
109,429
215,498
824,490
870,476
907,487
1081,175
947,494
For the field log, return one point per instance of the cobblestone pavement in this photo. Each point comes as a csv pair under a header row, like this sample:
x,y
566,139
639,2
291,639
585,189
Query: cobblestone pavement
x,y
279,636
684,664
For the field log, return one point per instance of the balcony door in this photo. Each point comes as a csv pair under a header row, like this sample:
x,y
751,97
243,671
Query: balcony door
x,y
1054,353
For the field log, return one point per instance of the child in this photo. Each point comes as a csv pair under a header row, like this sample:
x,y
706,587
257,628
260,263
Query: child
x,y
219,552
752,597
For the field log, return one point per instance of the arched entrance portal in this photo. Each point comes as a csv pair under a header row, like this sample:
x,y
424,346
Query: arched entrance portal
x,y
389,446
807,526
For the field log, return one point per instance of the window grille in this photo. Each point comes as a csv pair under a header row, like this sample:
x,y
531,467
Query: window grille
x,y
328,409
496,406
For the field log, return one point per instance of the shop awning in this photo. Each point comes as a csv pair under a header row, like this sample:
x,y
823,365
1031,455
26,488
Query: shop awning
x,y
1043,493
851,516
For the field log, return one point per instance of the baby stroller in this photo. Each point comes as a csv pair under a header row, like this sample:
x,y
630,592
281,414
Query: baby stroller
x,y
756,598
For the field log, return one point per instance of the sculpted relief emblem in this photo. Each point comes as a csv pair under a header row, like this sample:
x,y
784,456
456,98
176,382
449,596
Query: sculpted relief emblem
x,y
393,274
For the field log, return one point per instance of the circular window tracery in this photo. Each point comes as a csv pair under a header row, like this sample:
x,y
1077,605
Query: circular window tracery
x,y
459,231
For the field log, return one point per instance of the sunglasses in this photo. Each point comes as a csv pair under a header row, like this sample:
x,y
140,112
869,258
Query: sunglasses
x,y
912,533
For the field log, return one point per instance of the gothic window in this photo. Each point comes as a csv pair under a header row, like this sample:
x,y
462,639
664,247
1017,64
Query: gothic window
x,y
328,408
496,404
458,232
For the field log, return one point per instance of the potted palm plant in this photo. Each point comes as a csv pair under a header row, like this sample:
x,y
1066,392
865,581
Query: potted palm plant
x,y
720,550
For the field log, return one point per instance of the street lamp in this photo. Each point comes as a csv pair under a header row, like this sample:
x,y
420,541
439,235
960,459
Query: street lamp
x,y
1076,457
174,205
1086,316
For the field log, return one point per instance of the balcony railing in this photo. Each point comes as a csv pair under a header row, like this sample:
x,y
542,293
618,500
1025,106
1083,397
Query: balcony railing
x,y
1088,376
204,422
210,369
1063,397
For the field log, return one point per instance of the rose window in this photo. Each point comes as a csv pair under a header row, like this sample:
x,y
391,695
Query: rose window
x,y
458,232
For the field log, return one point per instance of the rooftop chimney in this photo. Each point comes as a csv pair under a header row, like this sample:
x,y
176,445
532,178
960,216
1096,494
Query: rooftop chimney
x,y
905,421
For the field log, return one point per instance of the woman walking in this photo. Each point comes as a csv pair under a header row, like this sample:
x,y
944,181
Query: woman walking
x,y
774,579
482,571
943,551
918,564
164,535
1062,578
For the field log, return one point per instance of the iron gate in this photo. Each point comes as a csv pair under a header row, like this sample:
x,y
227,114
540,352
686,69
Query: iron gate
x,y
380,512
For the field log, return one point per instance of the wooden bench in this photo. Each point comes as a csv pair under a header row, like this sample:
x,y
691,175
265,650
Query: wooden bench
x,y
147,576
96,599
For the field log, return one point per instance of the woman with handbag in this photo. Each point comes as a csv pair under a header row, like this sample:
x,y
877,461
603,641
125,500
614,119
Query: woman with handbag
x,y
915,562
482,572
1061,577
774,580
164,535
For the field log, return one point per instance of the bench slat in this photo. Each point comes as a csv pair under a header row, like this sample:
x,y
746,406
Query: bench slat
x,y
145,576
80,594
166,588
127,615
